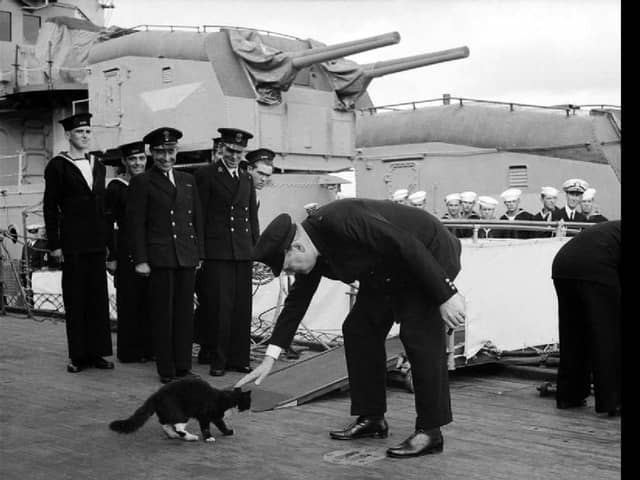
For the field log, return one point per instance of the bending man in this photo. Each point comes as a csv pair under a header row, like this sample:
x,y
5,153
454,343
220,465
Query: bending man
x,y
405,261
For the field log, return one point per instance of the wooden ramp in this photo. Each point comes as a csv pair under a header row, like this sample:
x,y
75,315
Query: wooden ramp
x,y
309,378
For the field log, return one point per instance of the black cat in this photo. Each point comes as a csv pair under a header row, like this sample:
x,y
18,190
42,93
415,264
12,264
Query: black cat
x,y
176,402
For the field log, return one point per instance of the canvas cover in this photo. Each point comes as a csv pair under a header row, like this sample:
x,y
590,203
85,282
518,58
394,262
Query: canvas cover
x,y
272,69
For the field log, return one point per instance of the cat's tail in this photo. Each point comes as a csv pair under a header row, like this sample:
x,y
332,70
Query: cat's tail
x,y
135,421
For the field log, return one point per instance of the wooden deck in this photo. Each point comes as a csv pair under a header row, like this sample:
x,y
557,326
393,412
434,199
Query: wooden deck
x,y
54,426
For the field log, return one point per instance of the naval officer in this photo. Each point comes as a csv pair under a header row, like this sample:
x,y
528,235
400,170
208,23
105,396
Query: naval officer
x,y
230,232
134,330
75,221
405,261
164,218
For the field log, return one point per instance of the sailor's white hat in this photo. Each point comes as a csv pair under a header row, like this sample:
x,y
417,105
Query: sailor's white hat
x,y
486,201
549,191
511,194
400,194
452,197
417,197
589,193
468,196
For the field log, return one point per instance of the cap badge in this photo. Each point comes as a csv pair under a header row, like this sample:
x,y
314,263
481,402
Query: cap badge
x,y
238,137
167,135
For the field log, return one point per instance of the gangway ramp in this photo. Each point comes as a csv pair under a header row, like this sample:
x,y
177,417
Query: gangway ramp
x,y
310,378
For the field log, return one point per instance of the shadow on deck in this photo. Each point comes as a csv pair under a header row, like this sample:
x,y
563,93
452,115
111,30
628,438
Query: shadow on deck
x,y
55,427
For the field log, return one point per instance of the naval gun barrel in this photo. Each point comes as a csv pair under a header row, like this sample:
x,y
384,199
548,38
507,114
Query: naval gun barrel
x,y
305,58
378,69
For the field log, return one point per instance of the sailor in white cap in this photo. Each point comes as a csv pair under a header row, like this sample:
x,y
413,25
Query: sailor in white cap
x,y
589,209
573,189
400,196
468,201
452,201
487,208
511,199
548,197
454,211
417,199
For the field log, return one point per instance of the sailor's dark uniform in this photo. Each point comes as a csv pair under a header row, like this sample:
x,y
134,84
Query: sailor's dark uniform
x,y
75,222
134,325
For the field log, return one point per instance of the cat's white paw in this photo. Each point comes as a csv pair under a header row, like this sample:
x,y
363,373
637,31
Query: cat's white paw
x,y
170,431
189,437
210,440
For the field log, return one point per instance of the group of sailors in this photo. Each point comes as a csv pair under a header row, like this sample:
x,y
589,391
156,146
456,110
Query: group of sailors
x,y
579,207
168,234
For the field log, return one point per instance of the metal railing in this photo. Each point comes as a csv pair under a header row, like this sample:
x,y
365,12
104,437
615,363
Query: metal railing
x,y
446,99
559,228
19,173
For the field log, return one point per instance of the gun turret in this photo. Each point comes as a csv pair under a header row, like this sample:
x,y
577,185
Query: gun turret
x,y
378,69
305,58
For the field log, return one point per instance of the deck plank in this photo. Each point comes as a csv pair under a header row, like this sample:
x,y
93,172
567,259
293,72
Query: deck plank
x,y
55,427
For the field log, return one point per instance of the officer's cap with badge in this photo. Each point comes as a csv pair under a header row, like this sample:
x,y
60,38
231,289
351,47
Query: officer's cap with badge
x,y
234,138
274,241
133,148
260,155
76,121
162,137
575,185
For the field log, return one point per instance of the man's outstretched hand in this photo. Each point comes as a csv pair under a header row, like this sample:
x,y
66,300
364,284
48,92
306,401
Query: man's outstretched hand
x,y
454,311
259,373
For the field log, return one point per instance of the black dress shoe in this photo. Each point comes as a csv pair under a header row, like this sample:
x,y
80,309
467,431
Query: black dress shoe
x,y
564,404
245,369
363,427
291,354
74,367
216,372
421,442
165,379
102,364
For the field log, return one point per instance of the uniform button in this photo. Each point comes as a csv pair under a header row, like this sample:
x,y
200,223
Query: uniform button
x,y
246,219
232,229
387,279
246,208
189,211
171,212
175,236
191,236
190,224
231,219
231,207
173,224
246,229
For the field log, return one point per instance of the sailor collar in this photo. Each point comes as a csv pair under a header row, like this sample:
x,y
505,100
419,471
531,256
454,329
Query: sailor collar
x,y
66,156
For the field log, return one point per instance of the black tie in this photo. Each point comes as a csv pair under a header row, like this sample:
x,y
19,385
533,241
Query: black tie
x,y
571,215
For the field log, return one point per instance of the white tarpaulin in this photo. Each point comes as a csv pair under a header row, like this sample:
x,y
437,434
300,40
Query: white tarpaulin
x,y
509,291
